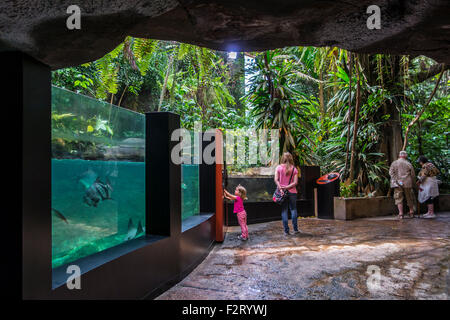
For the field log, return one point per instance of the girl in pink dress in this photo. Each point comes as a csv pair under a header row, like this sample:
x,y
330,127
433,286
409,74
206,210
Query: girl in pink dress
x,y
240,194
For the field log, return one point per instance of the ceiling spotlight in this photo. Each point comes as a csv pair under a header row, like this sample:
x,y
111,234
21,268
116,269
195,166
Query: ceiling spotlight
x,y
232,55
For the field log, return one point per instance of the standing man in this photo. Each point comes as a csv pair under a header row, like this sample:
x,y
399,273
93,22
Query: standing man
x,y
402,180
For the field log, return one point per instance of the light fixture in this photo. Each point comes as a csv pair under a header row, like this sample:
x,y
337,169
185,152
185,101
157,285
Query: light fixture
x,y
232,55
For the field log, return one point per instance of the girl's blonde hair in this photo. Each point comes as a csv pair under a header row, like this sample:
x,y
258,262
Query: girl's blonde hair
x,y
242,191
288,160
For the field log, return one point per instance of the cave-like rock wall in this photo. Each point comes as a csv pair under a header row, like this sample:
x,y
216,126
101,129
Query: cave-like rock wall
x,y
38,27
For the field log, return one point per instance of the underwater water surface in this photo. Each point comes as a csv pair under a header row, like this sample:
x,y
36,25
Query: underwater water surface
x,y
79,228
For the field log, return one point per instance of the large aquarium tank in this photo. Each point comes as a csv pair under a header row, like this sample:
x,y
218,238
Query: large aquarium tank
x,y
98,176
259,188
190,176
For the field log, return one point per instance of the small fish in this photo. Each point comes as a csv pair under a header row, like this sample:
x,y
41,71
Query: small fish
x,y
98,191
60,215
184,186
133,232
139,229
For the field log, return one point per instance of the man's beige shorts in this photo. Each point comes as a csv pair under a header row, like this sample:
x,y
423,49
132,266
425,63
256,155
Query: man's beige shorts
x,y
400,193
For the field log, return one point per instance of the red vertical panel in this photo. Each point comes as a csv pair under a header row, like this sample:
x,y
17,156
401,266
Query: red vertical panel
x,y
219,187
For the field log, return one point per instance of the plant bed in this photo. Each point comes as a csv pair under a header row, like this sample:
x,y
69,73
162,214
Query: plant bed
x,y
354,208
444,202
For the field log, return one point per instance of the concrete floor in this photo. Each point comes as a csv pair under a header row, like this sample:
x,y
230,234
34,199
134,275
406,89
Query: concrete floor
x,y
376,258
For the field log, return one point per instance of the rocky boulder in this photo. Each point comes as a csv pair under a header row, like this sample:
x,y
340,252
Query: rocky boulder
x,y
39,29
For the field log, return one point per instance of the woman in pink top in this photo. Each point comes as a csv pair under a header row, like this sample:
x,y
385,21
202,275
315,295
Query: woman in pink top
x,y
286,179
240,194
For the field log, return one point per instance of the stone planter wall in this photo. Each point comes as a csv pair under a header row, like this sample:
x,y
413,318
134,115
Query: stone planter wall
x,y
353,208
444,202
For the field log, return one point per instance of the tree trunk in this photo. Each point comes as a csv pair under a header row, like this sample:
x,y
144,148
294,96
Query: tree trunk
x,y
121,97
392,135
387,69
391,132
419,114
163,90
269,79
349,114
321,98
419,137
276,106
355,124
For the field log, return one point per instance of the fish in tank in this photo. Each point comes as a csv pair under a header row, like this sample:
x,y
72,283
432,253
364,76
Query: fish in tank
x,y
80,229
98,191
98,177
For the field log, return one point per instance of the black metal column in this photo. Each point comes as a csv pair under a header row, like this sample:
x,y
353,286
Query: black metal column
x,y
29,90
207,174
162,175
307,181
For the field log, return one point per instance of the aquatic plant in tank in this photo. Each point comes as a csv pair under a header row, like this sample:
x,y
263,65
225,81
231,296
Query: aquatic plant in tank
x,y
98,176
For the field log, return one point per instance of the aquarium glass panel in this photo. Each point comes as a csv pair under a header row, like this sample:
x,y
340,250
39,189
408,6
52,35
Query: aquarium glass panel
x,y
98,176
190,176
258,188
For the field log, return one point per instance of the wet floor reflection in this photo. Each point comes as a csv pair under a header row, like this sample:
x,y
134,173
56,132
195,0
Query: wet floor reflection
x,y
327,260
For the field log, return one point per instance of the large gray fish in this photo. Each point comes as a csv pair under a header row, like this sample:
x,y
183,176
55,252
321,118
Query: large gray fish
x,y
98,191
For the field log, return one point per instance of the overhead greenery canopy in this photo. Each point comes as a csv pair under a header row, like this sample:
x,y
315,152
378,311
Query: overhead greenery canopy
x,y
346,112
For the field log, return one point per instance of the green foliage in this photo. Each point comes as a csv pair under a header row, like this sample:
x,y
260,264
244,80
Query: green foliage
x,y
348,191
276,100
430,138
302,91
